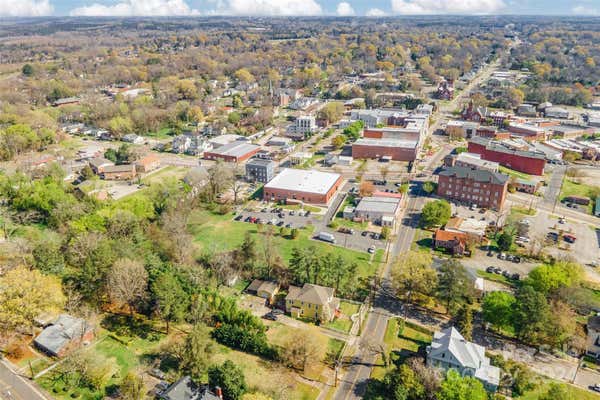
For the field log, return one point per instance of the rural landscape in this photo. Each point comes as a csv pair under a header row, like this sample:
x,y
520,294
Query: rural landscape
x,y
299,201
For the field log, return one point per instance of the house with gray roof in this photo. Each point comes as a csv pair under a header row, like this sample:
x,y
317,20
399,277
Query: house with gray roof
x,y
378,209
450,350
64,334
186,389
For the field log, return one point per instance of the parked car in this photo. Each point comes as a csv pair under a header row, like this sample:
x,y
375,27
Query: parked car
x,y
270,316
596,387
248,219
502,256
489,270
371,250
280,223
506,274
239,217
516,259
326,237
498,270
569,238
365,233
157,373
515,277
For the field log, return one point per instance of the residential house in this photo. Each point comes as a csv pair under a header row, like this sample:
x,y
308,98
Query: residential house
x,y
450,350
265,289
312,302
445,91
454,242
186,389
593,337
64,334
133,138
181,144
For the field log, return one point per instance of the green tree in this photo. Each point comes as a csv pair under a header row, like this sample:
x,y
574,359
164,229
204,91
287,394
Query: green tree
x,y
171,300
132,387
385,232
27,70
455,286
557,391
531,315
197,351
332,111
234,118
338,141
505,240
429,187
413,276
230,378
549,278
464,321
403,383
456,387
435,213
497,309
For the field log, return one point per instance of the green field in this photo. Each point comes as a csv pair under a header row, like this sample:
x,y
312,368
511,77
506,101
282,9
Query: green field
x,y
513,173
572,188
576,393
220,233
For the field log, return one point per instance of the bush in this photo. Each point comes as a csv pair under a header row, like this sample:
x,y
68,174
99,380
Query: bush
x,y
245,340
14,350
401,326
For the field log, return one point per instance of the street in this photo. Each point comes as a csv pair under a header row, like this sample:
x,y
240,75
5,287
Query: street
x,y
15,387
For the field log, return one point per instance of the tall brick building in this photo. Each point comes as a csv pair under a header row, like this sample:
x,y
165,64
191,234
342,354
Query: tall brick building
x,y
529,162
472,186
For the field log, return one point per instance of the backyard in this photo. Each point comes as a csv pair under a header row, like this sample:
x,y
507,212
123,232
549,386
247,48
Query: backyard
x,y
133,349
343,322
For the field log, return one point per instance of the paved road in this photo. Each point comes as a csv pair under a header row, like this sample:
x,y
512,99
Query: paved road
x,y
354,382
554,184
14,387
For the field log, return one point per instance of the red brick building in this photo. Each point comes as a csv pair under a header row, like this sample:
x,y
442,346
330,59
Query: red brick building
x,y
307,186
529,162
236,152
398,150
528,132
471,186
455,242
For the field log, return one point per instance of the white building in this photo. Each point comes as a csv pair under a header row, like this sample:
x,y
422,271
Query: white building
x,y
450,350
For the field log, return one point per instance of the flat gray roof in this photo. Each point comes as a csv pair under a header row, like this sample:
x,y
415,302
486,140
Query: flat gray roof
x,y
235,149
260,162
378,204
300,180
407,144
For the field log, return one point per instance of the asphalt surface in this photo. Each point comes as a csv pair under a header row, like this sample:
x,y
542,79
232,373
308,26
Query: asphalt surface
x,y
354,383
15,387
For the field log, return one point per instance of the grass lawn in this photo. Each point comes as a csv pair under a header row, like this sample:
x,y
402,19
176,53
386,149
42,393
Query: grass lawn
x,y
343,322
576,393
522,210
220,233
423,240
513,173
163,133
297,207
409,339
572,188
168,172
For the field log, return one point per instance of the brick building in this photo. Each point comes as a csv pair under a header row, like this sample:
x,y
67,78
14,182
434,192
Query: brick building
x,y
529,162
147,163
471,186
528,131
119,172
307,186
397,150
238,151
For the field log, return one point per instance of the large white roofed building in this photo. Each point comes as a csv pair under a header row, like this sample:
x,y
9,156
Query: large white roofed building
x,y
308,186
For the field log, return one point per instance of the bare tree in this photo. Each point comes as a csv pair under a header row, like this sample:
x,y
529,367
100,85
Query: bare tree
x,y
302,349
127,282
236,185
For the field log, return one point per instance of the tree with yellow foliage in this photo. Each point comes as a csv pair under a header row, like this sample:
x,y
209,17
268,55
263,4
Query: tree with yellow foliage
x,y
24,295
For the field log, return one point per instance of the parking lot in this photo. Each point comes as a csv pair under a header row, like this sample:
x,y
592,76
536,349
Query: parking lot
x,y
278,217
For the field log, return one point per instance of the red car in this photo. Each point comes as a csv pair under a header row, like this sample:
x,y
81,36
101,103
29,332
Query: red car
x,y
569,238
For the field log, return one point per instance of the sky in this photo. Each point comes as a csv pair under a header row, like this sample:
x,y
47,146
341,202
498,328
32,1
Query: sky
x,y
28,8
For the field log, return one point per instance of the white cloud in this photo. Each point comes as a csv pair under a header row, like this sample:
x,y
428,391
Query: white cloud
x,y
344,9
375,12
25,8
447,6
583,10
127,8
268,7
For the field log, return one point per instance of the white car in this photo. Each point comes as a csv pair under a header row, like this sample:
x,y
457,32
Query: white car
x,y
523,239
371,250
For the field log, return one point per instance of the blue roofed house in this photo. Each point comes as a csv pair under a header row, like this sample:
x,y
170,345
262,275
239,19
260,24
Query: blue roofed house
x,y
64,334
186,389
450,350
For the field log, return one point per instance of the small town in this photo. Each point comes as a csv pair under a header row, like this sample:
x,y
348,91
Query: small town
x,y
298,200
